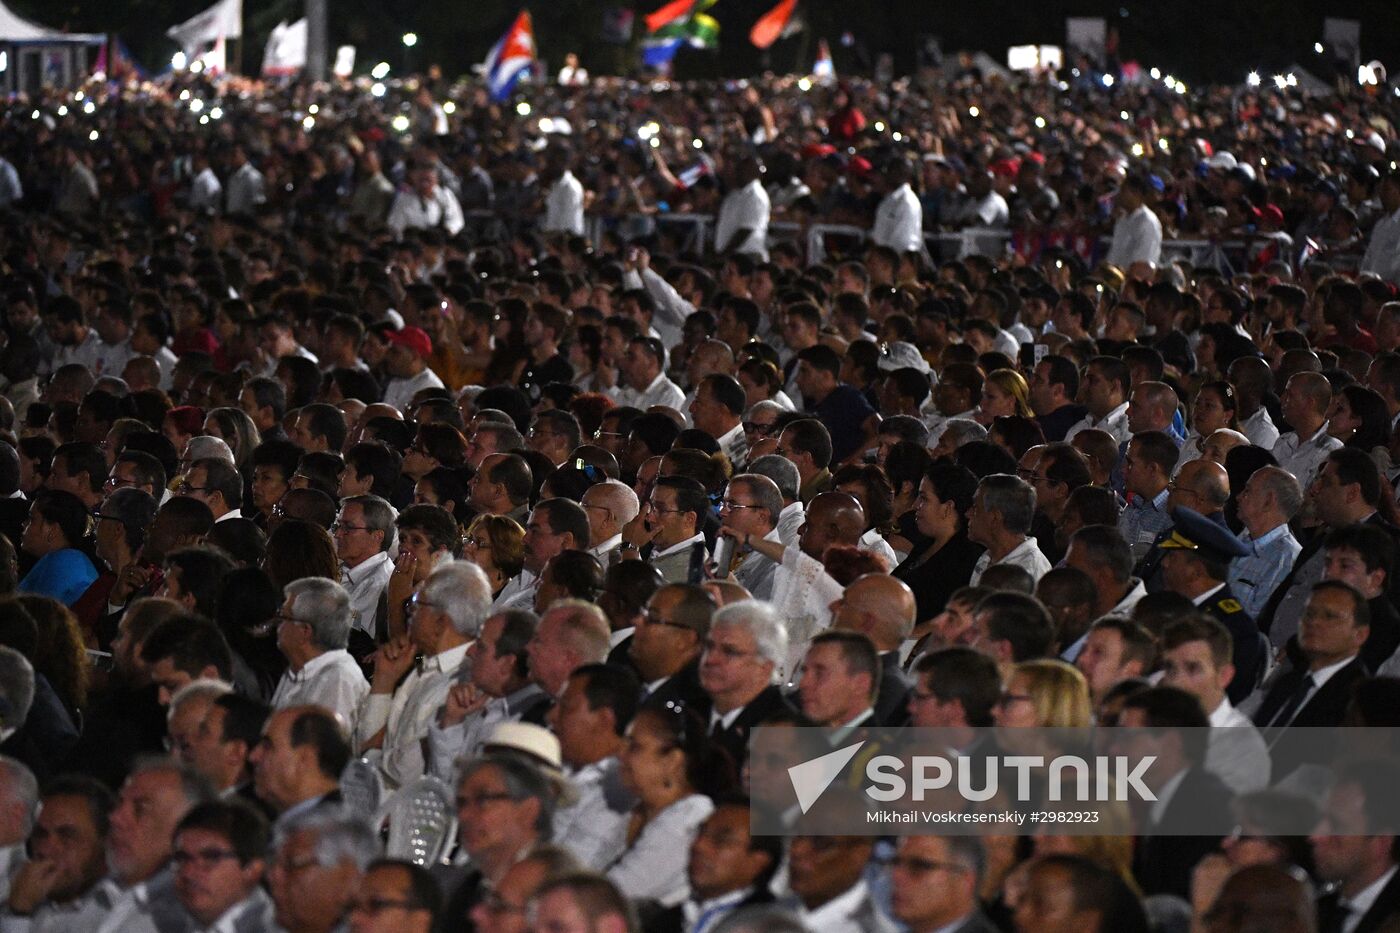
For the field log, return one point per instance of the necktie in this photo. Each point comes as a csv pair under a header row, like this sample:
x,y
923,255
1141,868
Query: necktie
x,y
1290,708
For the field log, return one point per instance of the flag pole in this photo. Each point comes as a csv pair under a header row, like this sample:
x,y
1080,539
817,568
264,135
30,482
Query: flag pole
x,y
316,39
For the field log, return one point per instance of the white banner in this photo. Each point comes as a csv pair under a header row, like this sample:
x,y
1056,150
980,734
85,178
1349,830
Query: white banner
x,y
286,49
222,20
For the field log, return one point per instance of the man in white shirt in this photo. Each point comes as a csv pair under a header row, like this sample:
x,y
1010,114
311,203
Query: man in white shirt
x,y
425,204
1252,378
445,618
215,482
1358,858
610,505
899,218
1383,252
363,533
1196,658
206,191
246,190
742,223
1105,390
68,329
644,374
1137,234
563,205
500,690
1000,520
113,325
1305,401
407,362
590,719
312,632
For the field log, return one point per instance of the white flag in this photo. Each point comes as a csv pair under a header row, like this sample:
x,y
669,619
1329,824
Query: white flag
x,y
224,18
286,49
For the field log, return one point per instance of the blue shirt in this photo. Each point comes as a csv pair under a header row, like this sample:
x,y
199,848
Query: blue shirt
x,y
62,575
844,412
1254,577
1142,521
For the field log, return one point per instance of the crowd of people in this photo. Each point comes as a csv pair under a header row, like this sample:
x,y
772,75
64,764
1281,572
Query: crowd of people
x,y
335,456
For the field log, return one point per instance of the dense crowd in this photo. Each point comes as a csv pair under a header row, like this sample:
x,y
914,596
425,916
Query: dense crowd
x,y
380,444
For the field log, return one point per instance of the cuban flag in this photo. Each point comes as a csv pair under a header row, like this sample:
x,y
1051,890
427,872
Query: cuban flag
x,y
511,57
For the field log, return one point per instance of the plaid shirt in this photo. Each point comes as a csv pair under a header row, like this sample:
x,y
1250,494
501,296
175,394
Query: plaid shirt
x,y
1254,577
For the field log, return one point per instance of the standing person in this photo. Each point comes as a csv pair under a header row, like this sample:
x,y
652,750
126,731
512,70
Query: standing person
x,y
563,205
1137,234
742,223
899,219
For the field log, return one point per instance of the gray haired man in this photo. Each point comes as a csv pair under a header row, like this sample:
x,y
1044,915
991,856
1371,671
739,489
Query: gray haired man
x,y
313,629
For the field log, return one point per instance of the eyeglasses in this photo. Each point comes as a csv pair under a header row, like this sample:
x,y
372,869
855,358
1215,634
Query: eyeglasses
x,y
599,434
417,602
274,623
1006,699
495,904
345,526
920,866
378,905
651,618
481,544
204,858
753,427
187,488
733,506
109,518
117,482
481,800
661,508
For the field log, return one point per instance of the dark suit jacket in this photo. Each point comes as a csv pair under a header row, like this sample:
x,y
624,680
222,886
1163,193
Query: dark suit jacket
x,y
935,578
13,512
683,688
1324,708
1330,917
1163,863
892,702
735,739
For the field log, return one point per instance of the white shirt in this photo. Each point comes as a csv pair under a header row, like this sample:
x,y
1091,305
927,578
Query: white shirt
x,y
594,827
872,541
790,519
400,392
745,208
1237,752
899,221
332,679
1383,252
113,357
802,593
938,423
230,514
678,546
563,207
88,353
1304,457
365,582
671,309
661,391
837,914
1365,899
654,866
246,190
602,550
206,191
447,746
518,593
1137,237
1115,423
735,445
406,714
1026,555
439,209
1260,430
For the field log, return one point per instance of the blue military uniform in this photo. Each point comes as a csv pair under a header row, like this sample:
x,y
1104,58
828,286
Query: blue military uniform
x,y
1194,533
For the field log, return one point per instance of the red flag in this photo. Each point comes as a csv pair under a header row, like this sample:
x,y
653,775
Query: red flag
x,y
668,14
770,25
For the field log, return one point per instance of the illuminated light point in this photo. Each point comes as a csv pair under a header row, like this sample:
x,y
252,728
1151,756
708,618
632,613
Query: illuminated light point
x,y
399,123
308,123
973,112
1252,79
523,108
1108,80
380,71
449,107
1317,47
410,39
377,90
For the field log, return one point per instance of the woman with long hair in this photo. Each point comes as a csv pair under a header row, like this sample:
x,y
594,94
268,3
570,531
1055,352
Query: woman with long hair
x,y
236,429
669,763
299,549
1004,392
945,494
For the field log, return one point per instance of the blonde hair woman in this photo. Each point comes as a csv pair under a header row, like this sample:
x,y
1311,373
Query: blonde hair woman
x,y
1048,694
496,544
1004,393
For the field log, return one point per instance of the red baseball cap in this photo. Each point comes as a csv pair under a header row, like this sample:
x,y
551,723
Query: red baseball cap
x,y
415,338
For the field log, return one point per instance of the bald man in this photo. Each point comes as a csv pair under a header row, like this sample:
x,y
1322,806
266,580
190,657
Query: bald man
x,y
1218,446
610,505
1151,408
883,608
834,519
1302,450
1202,485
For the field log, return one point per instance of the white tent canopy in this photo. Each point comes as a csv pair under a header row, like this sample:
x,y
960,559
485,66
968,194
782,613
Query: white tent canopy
x,y
15,28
